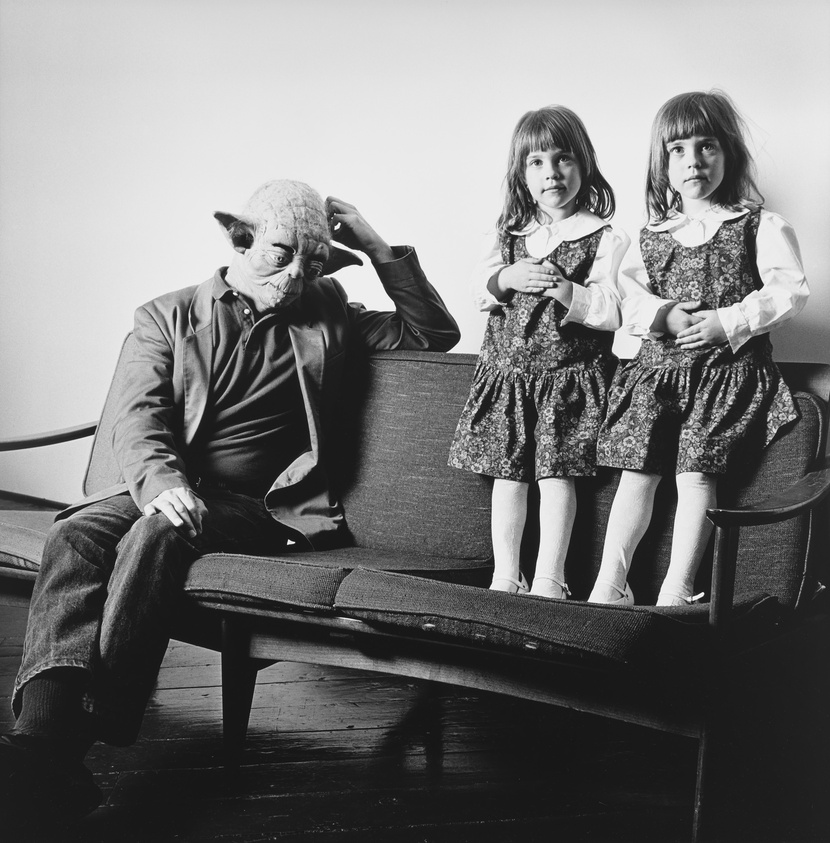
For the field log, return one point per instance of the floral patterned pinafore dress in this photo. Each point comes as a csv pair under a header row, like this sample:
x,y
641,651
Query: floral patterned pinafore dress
x,y
676,410
539,390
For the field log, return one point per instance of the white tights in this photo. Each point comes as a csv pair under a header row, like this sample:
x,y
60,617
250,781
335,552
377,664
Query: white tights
x,y
629,519
557,510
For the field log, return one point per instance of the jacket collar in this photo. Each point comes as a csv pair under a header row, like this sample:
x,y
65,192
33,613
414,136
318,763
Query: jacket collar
x,y
200,313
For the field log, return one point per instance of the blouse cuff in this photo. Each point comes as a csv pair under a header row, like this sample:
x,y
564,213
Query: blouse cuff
x,y
735,326
639,313
483,299
580,305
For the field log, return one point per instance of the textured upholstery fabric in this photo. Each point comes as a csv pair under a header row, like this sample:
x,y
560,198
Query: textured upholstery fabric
x,y
771,558
303,580
593,635
398,492
22,535
236,580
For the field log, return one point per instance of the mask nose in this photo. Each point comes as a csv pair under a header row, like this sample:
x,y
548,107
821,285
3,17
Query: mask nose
x,y
296,271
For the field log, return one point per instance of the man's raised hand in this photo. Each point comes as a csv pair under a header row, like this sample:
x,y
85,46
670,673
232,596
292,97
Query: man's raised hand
x,y
350,228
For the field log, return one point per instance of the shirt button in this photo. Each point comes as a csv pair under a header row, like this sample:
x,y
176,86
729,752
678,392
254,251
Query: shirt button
x,y
235,294
247,311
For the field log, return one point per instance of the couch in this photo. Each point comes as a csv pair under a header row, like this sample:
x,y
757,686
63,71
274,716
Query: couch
x,y
408,594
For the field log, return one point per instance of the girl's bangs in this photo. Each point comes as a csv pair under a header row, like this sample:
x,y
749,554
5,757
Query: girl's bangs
x,y
541,135
687,120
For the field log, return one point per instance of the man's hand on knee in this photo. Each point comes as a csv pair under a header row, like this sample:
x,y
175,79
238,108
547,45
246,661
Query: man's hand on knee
x,y
182,509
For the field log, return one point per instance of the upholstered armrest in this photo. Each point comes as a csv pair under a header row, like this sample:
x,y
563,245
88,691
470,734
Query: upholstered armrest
x,y
53,437
801,497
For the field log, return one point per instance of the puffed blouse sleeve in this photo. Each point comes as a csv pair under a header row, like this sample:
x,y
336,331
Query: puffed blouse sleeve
x,y
640,305
597,304
784,292
490,263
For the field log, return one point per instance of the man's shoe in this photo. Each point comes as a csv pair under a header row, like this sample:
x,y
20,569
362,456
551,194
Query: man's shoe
x,y
38,787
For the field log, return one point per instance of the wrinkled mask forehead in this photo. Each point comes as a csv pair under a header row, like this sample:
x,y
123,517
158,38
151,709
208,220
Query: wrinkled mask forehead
x,y
289,213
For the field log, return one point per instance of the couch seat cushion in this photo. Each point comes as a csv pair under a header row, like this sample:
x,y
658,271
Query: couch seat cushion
x,y
601,636
307,580
22,536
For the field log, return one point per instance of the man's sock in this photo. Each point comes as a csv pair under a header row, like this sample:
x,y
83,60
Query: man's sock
x,y
51,714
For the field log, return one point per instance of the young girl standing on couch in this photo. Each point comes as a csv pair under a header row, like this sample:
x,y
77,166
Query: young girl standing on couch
x,y
539,391
713,275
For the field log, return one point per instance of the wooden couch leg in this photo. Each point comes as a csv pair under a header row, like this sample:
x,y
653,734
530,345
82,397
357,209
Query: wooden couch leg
x,y
712,755
239,675
700,821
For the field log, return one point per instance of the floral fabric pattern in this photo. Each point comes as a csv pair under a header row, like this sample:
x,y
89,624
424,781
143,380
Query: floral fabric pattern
x,y
674,409
538,395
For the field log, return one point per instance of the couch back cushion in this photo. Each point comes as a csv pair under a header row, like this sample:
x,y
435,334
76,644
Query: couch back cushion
x,y
398,492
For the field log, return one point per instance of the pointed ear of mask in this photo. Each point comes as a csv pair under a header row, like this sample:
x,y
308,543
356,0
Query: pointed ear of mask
x,y
339,258
240,233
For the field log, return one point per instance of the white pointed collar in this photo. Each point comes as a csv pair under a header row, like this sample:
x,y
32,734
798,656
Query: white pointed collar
x,y
714,214
542,238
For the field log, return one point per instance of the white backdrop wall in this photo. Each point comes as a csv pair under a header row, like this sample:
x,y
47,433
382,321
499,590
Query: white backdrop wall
x,y
125,123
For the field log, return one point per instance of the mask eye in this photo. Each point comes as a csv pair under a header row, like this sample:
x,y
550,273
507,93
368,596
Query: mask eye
x,y
314,270
277,258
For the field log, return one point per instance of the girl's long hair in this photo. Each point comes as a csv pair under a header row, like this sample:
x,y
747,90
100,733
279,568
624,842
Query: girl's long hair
x,y
539,131
704,114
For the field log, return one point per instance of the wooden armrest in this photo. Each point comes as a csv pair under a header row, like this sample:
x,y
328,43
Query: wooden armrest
x,y
802,496
53,437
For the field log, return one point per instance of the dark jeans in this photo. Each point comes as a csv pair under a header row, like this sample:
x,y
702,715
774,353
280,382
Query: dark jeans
x,y
107,591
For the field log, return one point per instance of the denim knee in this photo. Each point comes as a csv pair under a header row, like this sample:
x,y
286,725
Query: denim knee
x,y
154,531
63,534
154,544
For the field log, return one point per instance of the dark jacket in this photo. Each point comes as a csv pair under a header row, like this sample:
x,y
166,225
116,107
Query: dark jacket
x,y
169,384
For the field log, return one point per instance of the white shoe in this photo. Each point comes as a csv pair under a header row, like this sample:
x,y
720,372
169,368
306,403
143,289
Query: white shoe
x,y
549,587
626,597
510,585
670,598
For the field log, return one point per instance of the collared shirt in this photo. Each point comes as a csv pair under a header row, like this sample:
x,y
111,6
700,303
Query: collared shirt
x,y
255,424
783,295
597,304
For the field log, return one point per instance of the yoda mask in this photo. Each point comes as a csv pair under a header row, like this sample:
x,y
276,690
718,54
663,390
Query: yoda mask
x,y
283,242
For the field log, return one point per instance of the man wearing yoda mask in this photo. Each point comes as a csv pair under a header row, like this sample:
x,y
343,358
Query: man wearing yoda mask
x,y
220,438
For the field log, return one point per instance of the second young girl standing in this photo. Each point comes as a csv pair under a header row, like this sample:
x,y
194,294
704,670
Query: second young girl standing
x,y
713,275
539,390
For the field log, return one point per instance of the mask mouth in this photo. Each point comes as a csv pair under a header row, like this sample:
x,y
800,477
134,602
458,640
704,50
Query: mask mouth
x,y
282,292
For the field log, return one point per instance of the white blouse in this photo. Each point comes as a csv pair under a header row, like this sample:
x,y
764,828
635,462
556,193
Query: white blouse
x,y
783,295
597,304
